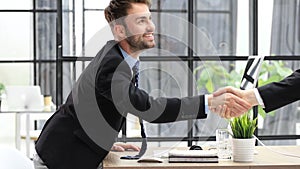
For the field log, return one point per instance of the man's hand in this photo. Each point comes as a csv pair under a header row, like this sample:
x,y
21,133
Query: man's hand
x,y
247,95
236,101
123,147
227,104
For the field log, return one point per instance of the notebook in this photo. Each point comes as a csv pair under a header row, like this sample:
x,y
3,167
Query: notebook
x,y
193,156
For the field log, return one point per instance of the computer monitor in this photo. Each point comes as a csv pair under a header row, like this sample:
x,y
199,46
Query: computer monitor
x,y
24,98
251,73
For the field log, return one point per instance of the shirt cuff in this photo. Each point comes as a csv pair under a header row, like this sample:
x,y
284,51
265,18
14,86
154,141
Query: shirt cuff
x,y
206,108
258,98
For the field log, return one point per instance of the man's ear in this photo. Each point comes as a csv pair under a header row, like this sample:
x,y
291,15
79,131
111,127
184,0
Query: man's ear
x,y
120,32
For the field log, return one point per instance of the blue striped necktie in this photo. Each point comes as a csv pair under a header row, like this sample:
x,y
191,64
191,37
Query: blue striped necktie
x,y
135,70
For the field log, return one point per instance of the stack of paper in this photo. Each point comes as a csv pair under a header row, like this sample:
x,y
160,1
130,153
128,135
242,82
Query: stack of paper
x,y
193,156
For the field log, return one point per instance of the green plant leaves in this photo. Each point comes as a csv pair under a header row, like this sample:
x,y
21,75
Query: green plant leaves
x,y
213,75
243,126
209,86
2,88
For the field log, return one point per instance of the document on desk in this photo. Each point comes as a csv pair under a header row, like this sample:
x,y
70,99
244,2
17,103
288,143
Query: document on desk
x,y
193,156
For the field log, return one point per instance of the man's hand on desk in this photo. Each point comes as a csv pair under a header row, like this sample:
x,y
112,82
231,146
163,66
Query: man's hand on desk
x,y
124,146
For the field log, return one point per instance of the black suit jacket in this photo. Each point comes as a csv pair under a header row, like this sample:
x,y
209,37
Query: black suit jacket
x,y
278,94
82,131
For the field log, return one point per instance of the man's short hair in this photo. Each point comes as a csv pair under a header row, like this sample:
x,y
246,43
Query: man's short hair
x,y
118,9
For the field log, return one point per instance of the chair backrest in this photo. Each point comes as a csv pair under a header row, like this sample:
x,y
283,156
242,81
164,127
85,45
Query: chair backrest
x,y
11,158
251,73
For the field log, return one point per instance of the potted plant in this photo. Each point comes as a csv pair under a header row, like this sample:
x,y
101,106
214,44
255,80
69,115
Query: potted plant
x,y
243,140
2,90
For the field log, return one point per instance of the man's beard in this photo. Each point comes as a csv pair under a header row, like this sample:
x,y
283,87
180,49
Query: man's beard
x,y
136,42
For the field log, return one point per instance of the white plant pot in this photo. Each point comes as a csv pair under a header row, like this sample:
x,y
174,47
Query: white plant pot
x,y
243,149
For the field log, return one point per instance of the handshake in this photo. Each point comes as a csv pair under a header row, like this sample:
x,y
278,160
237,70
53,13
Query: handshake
x,y
231,102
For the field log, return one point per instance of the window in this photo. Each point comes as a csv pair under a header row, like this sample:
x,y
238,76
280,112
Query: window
x,y
190,34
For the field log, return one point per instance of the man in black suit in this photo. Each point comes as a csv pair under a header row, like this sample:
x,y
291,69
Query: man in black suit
x,y
271,96
82,131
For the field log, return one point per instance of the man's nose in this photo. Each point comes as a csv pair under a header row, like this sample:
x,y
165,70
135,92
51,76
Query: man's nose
x,y
151,26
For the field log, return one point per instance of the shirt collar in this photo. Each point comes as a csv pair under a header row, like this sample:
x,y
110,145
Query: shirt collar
x,y
129,59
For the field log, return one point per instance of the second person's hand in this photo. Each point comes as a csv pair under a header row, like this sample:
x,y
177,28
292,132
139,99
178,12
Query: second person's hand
x,y
228,105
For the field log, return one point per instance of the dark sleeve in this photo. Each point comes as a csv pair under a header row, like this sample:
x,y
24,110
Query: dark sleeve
x,y
129,99
278,94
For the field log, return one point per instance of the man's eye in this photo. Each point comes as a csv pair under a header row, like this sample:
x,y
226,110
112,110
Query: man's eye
x,y
141,21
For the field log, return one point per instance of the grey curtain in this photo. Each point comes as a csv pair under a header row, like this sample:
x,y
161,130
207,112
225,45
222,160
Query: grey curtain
x,y
46,48
284,41
208,40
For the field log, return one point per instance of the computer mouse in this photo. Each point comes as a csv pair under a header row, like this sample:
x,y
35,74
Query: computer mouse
x,y
150,160
195,147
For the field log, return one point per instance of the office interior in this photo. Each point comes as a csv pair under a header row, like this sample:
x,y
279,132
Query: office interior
x,y
202,45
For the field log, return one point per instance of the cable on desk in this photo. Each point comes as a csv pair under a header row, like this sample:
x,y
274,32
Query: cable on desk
x,y
278,152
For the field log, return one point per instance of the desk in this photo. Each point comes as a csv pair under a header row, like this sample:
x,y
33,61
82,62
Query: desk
x,y
265,159
28,133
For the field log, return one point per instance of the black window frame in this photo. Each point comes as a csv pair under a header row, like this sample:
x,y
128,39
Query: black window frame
x,y
190,59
